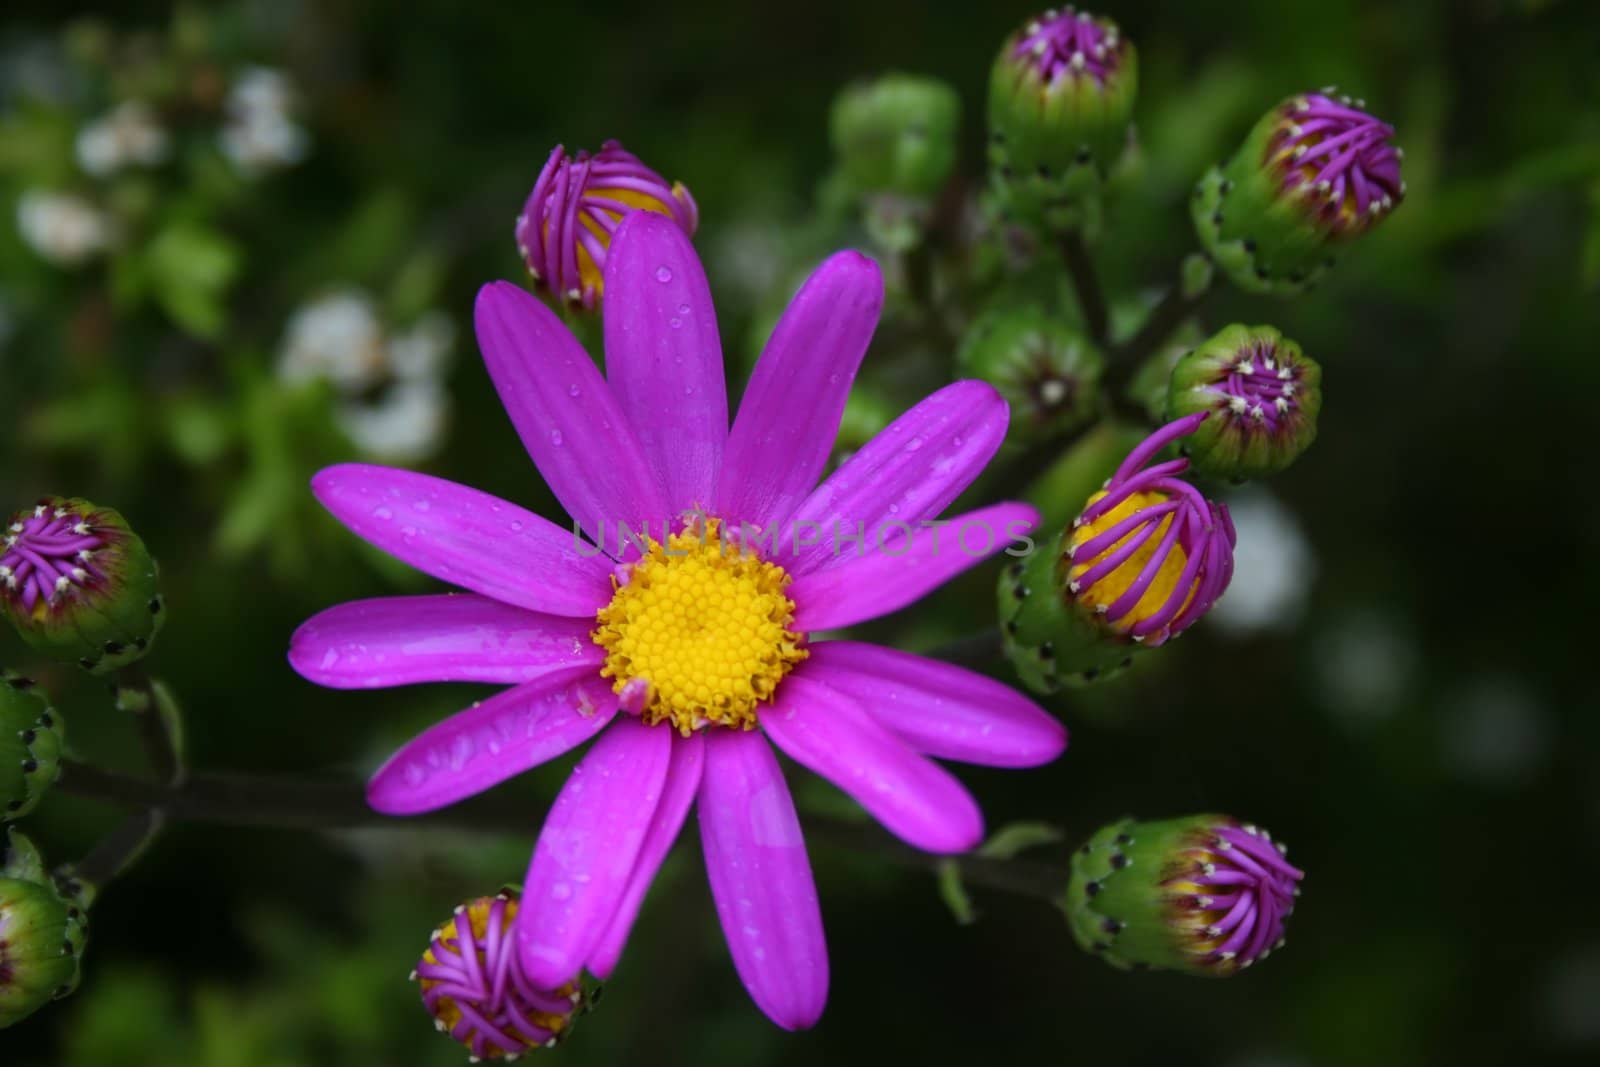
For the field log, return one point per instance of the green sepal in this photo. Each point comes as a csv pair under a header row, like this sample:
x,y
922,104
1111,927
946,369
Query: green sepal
x,y
19,857
30,747
1116,904
1052,641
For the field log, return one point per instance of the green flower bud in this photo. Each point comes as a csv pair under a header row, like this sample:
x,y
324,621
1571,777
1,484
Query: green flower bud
x,y
1315,172
1048,372
1205,895
79,585
30,747
1263,394
896,134
19,858
1061,98
42,939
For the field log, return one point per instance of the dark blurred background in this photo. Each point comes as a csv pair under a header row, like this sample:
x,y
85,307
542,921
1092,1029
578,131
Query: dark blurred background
x,y
1402,691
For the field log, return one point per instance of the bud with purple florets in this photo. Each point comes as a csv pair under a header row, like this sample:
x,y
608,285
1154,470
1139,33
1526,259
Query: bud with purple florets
x,y
473,985
1315,172
79,584
1146,557
1061,98
577,203
1206,895
1263,393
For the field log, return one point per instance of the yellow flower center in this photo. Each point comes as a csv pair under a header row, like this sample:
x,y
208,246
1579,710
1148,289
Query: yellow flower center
x,y
1109,589
705,626
588,270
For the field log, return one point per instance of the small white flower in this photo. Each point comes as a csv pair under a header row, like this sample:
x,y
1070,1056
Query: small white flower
x,y
422,352
406,424
259,134
127,136
65,229
336,339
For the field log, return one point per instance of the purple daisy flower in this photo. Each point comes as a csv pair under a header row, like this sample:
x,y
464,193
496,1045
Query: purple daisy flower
x,y
699,633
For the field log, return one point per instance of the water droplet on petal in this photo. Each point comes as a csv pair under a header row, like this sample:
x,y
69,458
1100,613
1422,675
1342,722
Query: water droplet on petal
x,y
675,322
683,309
516,525
663,274
555,438
573,390
383,513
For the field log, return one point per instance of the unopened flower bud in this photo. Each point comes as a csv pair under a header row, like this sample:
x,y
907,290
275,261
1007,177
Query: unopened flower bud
x,y
42,938
30,747
565,229
896,135
1061,100
1263,394
1316,171
474,986
79,585
1144,560
1204,894
1046,369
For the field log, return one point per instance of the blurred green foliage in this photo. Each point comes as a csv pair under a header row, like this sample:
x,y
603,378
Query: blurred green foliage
x,y
1424,739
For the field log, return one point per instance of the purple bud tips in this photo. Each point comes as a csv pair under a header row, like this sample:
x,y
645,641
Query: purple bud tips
x,y
1263,395
1149,555
1061,98
564,231
42,938
78,584
1316,170
474,987
1206,895
30,747
1146,558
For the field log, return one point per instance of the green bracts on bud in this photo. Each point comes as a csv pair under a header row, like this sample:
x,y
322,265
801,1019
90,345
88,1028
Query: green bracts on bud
x,y
79,584
1204,895
1061,96
896,134
1048,372
1262,394
1052,640
30,747
42,938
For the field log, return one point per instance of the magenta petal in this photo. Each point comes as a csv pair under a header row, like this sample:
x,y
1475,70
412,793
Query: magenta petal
x,y
372,644
587,850
565,413
911,471
491,741
914,798
761,879
683,782
906,569
467,538
789,417
663,356
939,709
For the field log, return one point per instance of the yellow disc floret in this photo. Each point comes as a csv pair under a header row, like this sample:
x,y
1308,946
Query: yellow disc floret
x,y
1105,592
705,626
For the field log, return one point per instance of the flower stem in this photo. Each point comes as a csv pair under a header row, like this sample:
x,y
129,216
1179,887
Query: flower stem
x,y
136,694
117,850
341,805
976,650
1166,317
1086,284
